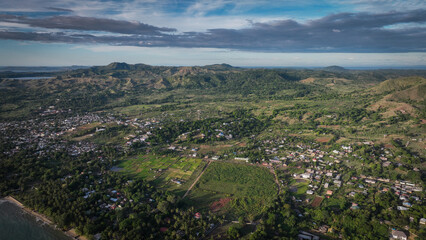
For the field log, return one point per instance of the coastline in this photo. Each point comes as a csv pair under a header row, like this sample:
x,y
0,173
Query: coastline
x,y
70,233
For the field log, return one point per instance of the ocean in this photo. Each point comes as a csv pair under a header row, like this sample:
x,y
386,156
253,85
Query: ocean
x,y
15,224
31,78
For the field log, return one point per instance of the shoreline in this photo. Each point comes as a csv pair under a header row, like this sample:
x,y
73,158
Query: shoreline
x,y
40,217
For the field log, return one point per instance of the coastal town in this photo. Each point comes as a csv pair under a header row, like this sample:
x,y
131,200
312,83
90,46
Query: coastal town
x,y
212,120
306,169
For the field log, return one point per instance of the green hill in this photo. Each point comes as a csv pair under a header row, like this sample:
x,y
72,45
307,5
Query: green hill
x,y
398,84
122,84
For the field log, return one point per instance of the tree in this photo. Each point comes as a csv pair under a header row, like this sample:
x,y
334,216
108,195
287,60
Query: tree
x,y
233,232
163,206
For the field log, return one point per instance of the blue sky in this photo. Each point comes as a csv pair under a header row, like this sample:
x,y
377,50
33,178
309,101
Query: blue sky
x,y
350,33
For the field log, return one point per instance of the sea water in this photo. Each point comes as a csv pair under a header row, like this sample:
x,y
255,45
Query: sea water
x,y
15,224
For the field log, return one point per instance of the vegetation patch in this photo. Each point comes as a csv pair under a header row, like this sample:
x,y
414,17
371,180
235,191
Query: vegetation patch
x,y
250,187
161,169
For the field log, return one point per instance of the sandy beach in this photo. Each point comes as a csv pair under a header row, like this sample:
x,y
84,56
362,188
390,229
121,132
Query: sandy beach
x,y
71,233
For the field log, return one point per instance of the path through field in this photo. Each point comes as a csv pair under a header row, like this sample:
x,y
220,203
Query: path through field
x,y
273,171
196,180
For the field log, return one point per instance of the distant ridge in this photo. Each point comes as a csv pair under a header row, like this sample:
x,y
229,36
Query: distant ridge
x,y
222,66
335,69
118,66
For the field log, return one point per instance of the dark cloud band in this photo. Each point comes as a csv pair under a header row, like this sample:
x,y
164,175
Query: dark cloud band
x,y
87,24
343,32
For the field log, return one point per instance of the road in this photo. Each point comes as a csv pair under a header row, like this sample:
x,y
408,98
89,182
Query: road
x,y
276,179
196,180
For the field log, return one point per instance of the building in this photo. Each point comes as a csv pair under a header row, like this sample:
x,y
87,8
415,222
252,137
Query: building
x,y
398,235
306,175
370,181
354,206
307,236
401,208
242,159
323,229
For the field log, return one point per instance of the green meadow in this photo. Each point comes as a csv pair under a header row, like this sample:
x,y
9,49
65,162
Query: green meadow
x,y
250,188
161,170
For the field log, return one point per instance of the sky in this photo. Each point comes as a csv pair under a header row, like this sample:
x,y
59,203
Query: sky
x,y
287,33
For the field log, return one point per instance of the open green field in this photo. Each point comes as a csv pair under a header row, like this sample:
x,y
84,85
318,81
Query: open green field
x,y
299,184
250,188
161,169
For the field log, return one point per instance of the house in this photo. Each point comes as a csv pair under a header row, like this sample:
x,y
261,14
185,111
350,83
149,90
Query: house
x,y
307,236
354,206
370,181
398,235
197,215
220,135
401,208
176,181
386,164
338,183
329,192
323,228
306,175
242,159
310,192
422,221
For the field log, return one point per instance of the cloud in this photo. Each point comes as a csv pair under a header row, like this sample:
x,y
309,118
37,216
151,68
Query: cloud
x,y
87,24
59,9
343,32
382,5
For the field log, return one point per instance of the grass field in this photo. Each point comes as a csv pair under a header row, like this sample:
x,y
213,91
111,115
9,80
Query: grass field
x,y
161,170
250,188
301,186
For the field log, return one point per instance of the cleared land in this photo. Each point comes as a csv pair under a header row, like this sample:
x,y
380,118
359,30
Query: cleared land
x,y
316,202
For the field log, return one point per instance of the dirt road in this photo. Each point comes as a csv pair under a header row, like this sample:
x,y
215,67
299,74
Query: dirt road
x,y
196,180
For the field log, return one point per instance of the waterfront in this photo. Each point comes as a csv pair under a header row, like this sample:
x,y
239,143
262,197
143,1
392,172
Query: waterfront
x,y
16,224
